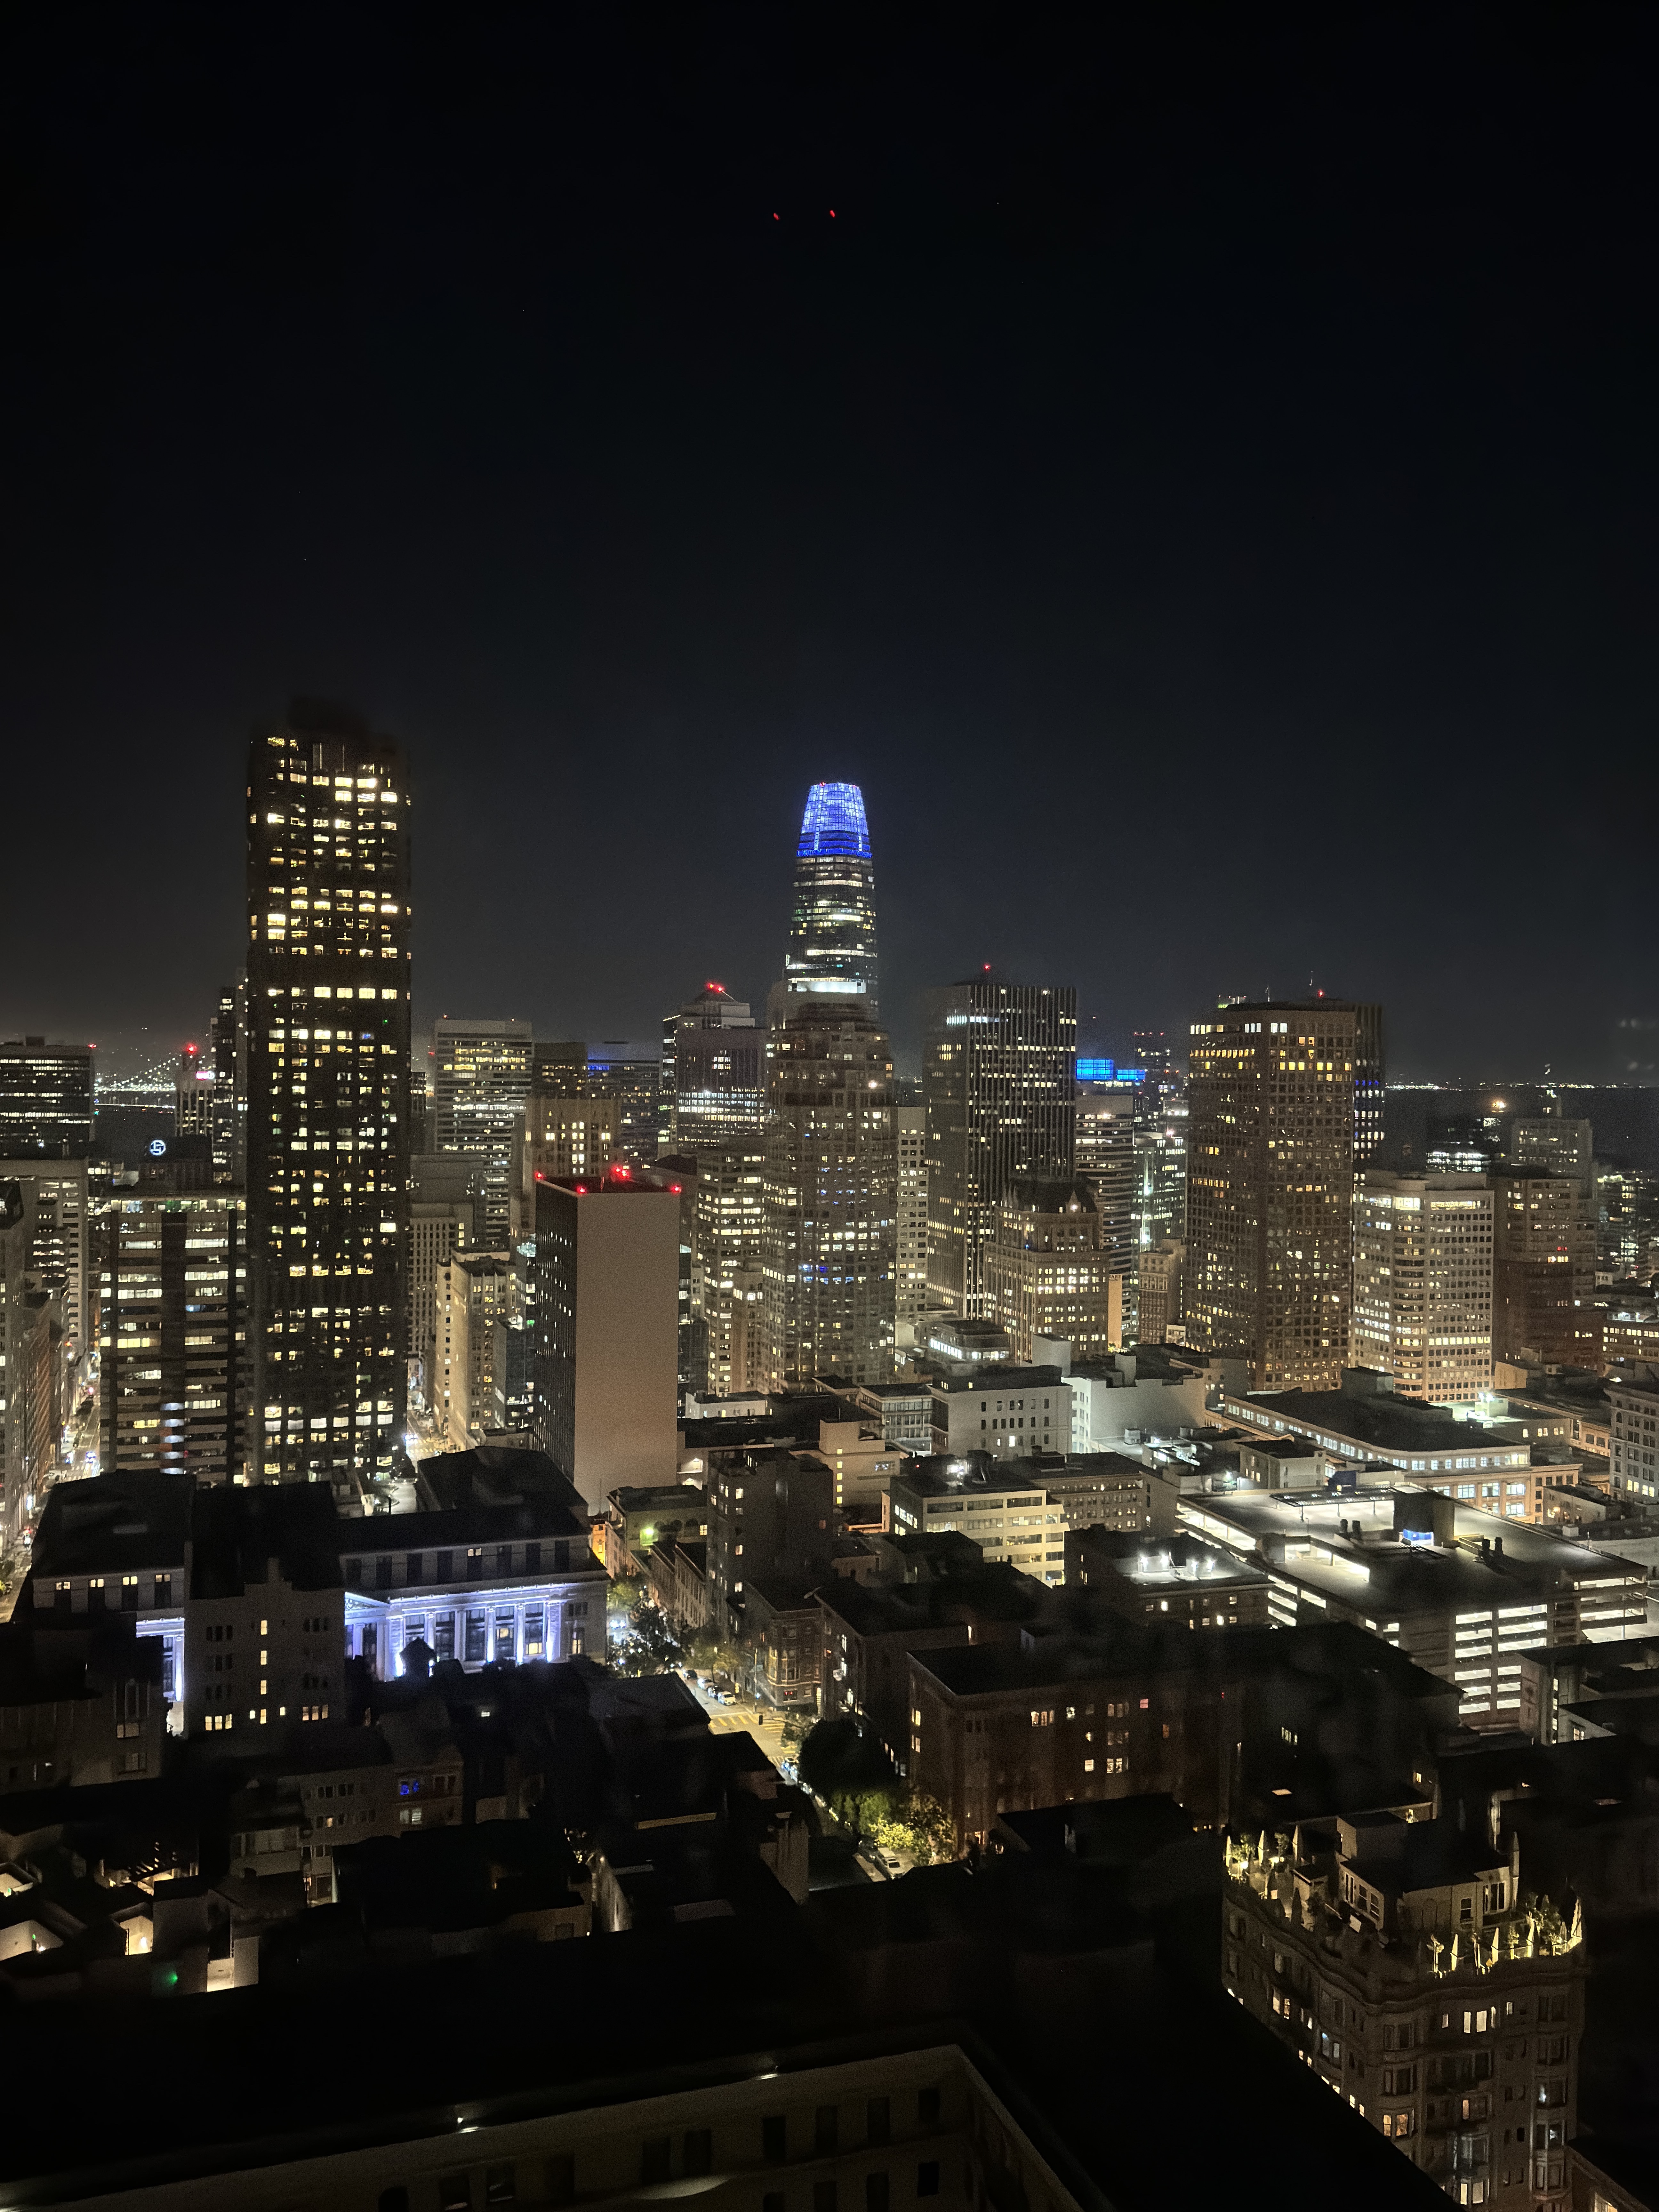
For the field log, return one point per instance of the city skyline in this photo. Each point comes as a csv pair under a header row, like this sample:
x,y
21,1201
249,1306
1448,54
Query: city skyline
x,y
150,1047
828,1109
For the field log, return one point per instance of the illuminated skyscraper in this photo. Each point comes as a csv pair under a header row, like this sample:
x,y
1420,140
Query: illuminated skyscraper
x,y
45,1099
828,1238
910,1123
1281,1097
1052,1267
193,1096
999,1079
227,1056
1105,1155
619,1070
725,1249
713,1083
328,1097
832,932
1422,1283
173,1387
481,1074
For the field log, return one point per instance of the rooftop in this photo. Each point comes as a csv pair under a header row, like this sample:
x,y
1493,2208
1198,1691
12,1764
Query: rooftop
x,y
1383,1423
1344,1545
1164,1563
237,1535
650,1496
1068,1471
1001,1378
1403,1856
1114,1646
617,1180
1050,1194
968,1591
937,1474
128,1520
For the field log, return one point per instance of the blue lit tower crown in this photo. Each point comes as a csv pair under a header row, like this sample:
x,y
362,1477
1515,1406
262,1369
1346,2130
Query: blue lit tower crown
x,y
832,932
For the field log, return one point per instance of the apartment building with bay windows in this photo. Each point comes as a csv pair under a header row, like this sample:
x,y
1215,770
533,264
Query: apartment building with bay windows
x,y
1401,1961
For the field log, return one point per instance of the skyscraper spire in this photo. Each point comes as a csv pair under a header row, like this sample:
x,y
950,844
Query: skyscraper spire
x,y
832,931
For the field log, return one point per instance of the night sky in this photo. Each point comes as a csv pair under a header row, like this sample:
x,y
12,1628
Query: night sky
x,y
1200,481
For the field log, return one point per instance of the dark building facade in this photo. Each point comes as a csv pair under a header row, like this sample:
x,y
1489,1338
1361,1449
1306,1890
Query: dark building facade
x,y
173,1336
713,1075
1239,1723
606,1293
998,1084
1543,1271
328,1050
45,1099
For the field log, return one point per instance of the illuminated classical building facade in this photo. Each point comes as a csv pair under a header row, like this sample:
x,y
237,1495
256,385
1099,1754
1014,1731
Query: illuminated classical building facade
x,y
1401,1959
328,1053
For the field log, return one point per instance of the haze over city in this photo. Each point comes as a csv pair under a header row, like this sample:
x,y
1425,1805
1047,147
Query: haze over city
x,y
828,1110
1206,516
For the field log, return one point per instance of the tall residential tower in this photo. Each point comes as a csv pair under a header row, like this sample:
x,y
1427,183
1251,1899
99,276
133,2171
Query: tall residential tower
x,y
328,1092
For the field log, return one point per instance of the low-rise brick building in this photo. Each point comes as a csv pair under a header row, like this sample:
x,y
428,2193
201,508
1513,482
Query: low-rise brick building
x,y
1089,1706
